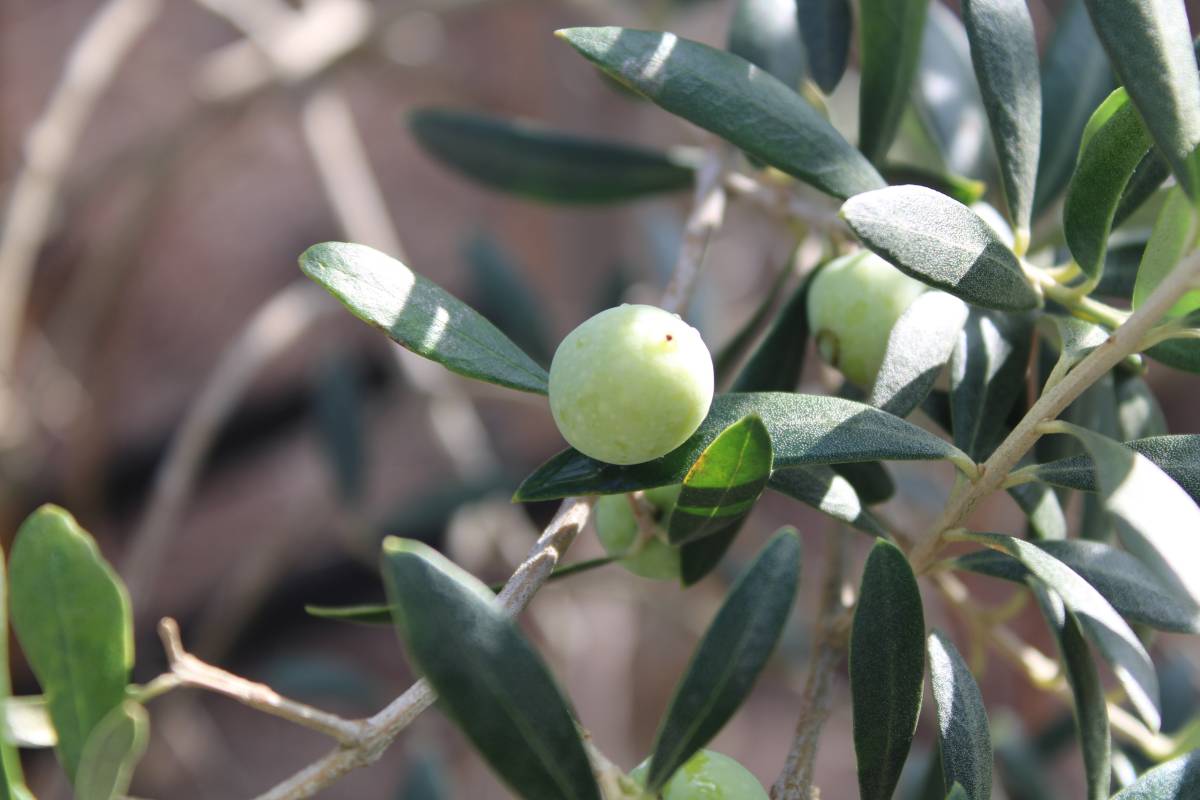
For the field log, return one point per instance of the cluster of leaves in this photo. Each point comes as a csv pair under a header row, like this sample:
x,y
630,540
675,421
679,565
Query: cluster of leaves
x,y
1065,145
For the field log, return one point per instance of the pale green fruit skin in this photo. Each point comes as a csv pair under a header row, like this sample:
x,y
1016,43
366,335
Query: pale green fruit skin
x,y
617,530
853,304
708,775
630,384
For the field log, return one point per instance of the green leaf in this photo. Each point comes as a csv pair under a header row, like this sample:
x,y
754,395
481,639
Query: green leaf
x,y
727,95
363,614
1121,262
767,33
963,735
1075,79
1042,510
1113,144
1004,52
1147,178
804,430
825,28
887,669
964,190
1172,238
488,678
1156,519
502,294
721,488
918,346
1091,706
112,752
1176,455
1178,779
732,352
697,559
889,45
1124,581
1101,623
421,316
1181,354
957,792
1138,412
947,98
870,480
828,492
540,164
730,657
941,242
778,360
71,615
12,780
986,372
1150,45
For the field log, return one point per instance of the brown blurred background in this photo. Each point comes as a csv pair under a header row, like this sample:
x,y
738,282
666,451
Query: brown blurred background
x,y
238,444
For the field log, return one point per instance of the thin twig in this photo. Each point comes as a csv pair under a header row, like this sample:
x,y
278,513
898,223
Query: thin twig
x,y
708,212
795,782
1126,339
380,730
193,672
52,141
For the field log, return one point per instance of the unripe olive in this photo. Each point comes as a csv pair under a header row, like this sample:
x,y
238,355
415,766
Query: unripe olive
x,y
853,304
630,384
617,528
708,775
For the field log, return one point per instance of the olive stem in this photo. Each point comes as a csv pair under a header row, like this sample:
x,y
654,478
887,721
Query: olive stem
x,y
1126,339
708,213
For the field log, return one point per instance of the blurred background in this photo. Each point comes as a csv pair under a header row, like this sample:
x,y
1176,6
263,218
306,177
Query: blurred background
x,y
239,444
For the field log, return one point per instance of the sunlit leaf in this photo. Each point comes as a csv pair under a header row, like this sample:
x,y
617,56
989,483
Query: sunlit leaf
x,y
1172,238
767,33
963,735
1178,779
918,346
113,750
986,377
828,492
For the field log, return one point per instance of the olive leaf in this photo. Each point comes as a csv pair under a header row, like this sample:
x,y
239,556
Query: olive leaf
x,y
113,750
1178,779
887,669
828,492
825,27
767,33
889,45
963,736
942,242
919,345
421,316
986,377
729,96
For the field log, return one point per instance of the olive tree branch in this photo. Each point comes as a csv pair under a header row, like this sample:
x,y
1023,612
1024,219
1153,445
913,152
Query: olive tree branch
x,y
831,639
708,212
1124,340
373,735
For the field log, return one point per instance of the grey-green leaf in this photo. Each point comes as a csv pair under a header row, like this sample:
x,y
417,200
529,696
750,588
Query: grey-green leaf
x,y
966,744
767,33
942,242
827,491
71,614
825,26
721,488
1042,510
1178,779
1138,413
540,164
1075,79
778,360
1091,706
1123,580
1004,51
1177,455
1172,238
889,44
490,681
804,429
729,96
918,346
986,377
1150,45
730,657
420,315
1156,519
887,669
112,752
1114,143
1101,623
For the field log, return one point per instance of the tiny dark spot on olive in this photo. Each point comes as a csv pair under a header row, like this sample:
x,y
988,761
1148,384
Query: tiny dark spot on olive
x,y
670,337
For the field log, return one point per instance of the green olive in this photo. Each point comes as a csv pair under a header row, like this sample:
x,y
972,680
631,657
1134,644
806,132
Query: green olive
x,y
708,775
630,384
853,304
617,529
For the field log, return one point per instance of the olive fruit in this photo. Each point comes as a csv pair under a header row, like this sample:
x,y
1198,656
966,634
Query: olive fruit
x,y
630,384
708,775
853,304
617,528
